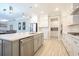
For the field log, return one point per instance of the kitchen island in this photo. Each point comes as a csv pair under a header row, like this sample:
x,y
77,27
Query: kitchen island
x,y
20,44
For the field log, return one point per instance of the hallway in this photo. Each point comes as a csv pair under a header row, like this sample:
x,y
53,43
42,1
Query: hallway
x,y
52,47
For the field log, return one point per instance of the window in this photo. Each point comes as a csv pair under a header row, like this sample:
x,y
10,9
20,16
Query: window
x,y
19,25
24,25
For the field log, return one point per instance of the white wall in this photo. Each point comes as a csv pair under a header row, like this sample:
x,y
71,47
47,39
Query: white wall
x,y
15,24
34,19
43,25
43,20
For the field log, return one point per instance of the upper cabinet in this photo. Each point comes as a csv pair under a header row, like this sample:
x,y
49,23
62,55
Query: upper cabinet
x,y
73,20
75,15
75,9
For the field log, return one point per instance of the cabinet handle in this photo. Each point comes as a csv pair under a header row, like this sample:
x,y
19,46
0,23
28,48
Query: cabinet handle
x,y
21,41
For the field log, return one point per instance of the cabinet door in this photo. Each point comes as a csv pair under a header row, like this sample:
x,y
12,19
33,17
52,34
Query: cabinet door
x,y
42,38
39,40
15,48
35,43
0,47
10,48
26,47
7,48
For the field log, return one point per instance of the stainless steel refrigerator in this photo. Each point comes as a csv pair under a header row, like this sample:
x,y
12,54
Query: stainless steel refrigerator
x,y
33,27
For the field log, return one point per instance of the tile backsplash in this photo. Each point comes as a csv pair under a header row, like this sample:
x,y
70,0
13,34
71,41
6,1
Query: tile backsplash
x,y
74,28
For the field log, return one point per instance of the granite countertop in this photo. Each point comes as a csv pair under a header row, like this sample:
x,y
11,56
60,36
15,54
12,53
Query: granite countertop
x,y
17,36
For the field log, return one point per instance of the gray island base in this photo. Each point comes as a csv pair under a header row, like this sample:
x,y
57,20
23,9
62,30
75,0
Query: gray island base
x,y
20,44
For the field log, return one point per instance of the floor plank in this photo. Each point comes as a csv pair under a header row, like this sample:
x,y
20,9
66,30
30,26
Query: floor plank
x,y
52,47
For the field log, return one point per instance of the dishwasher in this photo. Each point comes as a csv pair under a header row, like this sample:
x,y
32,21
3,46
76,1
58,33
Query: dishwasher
x,y
26,46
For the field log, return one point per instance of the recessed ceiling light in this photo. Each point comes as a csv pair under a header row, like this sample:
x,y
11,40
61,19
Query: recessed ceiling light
x,y
56,9
42,12
35,5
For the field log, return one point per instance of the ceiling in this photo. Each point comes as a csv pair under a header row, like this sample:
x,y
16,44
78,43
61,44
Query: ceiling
x,y
51,7
31,8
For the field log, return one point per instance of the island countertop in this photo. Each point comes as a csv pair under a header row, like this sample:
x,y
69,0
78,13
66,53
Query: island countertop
x,y
17,36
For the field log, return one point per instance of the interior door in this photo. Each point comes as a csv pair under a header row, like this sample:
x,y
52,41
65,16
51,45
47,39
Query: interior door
x,y
26,47
54,27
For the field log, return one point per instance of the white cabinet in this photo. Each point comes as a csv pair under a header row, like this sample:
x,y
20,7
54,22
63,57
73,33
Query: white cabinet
x,y
68,44
76,46
72,44
73,20
75,5
75,9
76,19
0,47
26,46
75,14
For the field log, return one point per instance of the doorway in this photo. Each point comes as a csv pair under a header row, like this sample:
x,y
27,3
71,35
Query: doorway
x,y
54,27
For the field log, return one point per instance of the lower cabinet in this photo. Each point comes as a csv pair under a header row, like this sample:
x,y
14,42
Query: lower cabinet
x,y
42,39
22,47
71,44
0,47
35,43
38,41
10,48
26,47
7,48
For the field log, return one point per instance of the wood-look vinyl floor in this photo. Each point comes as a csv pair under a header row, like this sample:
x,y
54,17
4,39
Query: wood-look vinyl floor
x,y
52,47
